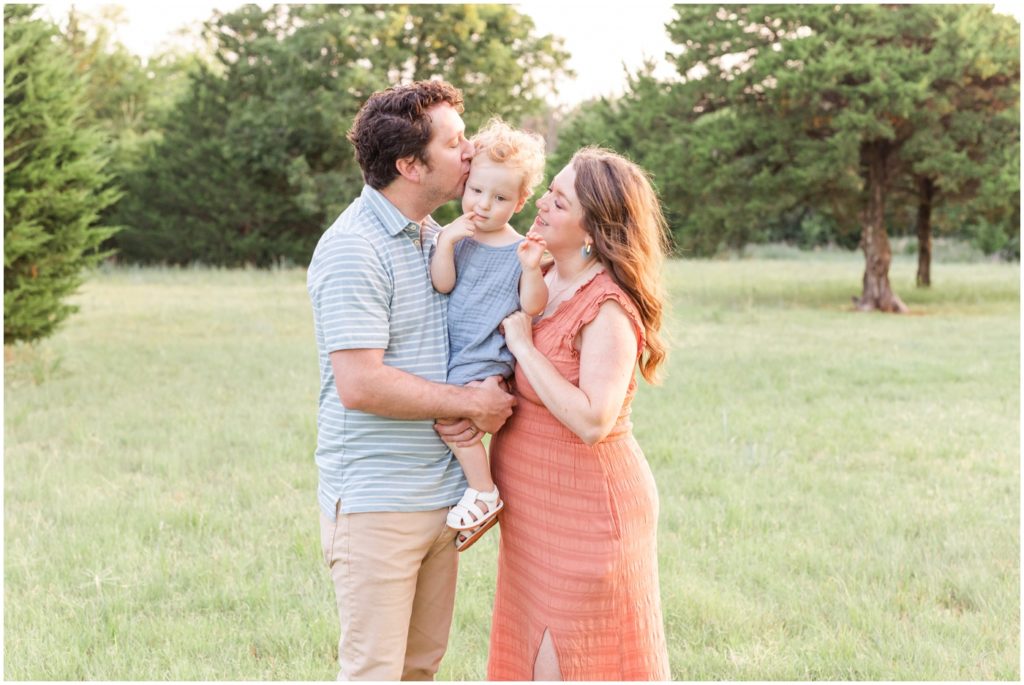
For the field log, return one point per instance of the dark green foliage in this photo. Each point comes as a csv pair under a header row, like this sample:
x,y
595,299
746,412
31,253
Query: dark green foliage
x,y
770,132
254,164
55,185
801,106
964,150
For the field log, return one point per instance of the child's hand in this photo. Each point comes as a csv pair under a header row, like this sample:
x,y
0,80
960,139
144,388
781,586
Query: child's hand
x,y
462,227
530,251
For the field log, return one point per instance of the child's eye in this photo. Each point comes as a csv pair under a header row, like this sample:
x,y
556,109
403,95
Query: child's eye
x,y
501,198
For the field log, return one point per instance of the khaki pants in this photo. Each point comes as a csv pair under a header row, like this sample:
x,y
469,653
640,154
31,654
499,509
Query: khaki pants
x,y
394,577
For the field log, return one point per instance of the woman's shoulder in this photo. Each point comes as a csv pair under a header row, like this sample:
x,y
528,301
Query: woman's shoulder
x,y
604,288
603,291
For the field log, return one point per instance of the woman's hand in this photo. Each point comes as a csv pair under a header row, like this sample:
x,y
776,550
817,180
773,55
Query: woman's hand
x,y
518,331
530,251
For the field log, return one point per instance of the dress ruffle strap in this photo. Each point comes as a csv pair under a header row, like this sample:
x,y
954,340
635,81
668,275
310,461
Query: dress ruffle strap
x,y
594,294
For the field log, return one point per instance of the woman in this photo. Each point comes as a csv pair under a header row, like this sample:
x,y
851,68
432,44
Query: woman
x,y
577,590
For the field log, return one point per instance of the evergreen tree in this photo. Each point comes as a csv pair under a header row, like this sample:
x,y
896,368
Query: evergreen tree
x,y
55,185
809,106
957,151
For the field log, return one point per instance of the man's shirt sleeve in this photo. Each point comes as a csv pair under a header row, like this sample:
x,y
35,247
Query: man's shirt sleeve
x,y
353,296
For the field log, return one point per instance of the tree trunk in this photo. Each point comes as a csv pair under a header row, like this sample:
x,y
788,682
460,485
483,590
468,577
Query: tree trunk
x,y
925,195
877,294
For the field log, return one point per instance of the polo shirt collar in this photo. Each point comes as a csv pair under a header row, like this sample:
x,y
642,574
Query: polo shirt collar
x,y
394,221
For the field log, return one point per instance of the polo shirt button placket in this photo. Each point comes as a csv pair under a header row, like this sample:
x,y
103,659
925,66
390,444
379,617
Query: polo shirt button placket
x,y
413,231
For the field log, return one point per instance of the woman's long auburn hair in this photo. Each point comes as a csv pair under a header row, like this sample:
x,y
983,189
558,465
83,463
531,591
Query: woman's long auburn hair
x,y
622,215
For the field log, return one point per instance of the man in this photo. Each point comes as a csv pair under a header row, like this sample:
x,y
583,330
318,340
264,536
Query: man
x,y
386,478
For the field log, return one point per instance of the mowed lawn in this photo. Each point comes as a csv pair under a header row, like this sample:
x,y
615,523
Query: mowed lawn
x,y
840,492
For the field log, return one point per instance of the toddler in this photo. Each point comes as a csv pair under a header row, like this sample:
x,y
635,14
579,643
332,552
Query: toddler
x,y
478,260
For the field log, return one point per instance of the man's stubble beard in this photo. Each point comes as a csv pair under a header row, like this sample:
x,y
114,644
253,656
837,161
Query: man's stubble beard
x,y
437,196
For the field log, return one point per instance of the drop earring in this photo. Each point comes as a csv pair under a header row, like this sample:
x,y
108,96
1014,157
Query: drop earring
x,y
587,249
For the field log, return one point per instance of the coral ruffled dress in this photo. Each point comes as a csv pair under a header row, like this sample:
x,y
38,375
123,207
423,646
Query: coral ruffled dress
x,y
578,553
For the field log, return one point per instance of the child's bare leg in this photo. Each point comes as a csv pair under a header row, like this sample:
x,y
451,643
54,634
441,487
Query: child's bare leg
x,y
480,501
475,466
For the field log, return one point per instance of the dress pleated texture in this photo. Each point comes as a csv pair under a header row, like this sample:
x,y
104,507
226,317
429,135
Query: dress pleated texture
x,y
578,551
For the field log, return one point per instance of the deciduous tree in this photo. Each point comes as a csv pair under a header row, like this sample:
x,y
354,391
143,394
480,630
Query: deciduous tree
x,y
254,161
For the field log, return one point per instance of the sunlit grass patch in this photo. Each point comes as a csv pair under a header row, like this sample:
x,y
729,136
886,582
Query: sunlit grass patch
x,y
839,491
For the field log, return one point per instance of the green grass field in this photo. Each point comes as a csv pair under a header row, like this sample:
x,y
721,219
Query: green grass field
x,y
840,492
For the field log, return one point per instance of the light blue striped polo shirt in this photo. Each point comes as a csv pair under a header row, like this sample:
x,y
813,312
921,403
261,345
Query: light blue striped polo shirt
x,y
369,285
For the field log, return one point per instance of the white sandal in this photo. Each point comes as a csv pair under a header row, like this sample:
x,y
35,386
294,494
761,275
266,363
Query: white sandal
x,y
466,514
465,539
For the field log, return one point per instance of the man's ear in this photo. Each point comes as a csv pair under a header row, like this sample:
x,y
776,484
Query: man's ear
x,y
409,168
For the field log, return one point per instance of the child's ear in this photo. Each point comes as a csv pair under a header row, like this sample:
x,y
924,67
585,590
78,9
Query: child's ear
x,y
409,168
522,203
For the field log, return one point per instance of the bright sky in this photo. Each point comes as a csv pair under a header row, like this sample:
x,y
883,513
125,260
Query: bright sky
x,y
600,36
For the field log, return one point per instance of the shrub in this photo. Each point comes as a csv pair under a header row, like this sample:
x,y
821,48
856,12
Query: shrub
x,y
55,186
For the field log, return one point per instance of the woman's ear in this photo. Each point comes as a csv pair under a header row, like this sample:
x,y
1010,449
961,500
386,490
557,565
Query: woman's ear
x,y
409,168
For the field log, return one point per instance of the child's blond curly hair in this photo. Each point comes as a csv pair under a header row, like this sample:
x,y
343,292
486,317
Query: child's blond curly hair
x,y
517,148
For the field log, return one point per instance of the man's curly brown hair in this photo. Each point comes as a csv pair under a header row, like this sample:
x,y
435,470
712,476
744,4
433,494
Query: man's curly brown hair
x,y
393,124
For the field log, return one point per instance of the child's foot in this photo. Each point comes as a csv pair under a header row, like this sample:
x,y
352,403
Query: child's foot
x,y
475,508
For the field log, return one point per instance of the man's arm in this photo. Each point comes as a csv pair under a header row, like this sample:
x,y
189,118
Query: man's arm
x,y
365,383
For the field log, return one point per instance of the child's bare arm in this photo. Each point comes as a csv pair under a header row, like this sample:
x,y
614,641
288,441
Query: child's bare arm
x,y
442,263
533,292
442,266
